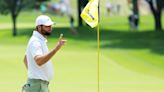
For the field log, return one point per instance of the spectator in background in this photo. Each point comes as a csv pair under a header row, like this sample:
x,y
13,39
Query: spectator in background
x,y
113,8
66,9
108,7
72,28
43,8
134,17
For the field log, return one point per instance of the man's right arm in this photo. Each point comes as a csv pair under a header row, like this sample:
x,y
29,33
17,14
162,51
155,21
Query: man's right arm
x,y
42,59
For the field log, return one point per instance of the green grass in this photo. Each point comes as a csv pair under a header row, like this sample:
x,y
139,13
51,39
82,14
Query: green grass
x,y
130,61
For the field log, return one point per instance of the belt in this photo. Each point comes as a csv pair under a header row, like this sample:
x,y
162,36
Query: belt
x,y
39,80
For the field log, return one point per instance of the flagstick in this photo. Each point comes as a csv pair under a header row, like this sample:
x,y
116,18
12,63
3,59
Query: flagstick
x,y
98,45
98,58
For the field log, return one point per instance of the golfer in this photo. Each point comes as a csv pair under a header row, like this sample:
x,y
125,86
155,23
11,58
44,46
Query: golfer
x,y
37,57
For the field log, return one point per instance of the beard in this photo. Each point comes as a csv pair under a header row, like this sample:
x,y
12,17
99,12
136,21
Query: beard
x,y
44,32
47,33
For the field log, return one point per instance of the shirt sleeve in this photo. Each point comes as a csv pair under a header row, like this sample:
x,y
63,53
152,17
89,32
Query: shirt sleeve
x,y
36,48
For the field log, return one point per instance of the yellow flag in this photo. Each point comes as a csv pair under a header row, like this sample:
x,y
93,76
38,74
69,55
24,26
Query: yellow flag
x,y
90,13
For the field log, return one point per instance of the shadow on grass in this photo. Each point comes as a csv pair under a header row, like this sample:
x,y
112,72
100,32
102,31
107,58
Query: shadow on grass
x,y
121,39
134,40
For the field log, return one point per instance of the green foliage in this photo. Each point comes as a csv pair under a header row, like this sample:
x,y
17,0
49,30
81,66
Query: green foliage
x,y
12,6
3,8
160,3
42,0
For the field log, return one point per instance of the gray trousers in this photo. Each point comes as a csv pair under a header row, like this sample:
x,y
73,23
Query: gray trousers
x,y
35,85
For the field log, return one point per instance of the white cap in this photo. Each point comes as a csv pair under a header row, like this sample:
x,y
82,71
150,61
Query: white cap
x,y
44,20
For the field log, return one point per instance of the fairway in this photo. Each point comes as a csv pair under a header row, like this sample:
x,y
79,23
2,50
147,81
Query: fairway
x,y
77,72
130,61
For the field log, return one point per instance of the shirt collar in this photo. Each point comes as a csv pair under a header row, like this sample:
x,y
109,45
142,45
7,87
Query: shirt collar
x,y
38,35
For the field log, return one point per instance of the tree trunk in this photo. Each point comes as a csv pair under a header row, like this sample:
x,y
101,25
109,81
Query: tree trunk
x,y
135,7
14,31
136,11
157,15
79,12
81,5
158,24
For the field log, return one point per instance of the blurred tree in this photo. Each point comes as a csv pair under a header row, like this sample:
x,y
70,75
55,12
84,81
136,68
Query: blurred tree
x,y
42,0
14,7
135,7
81,5
156,8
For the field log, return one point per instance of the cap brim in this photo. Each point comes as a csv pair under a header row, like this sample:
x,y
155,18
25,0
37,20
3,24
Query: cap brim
x,y
49,23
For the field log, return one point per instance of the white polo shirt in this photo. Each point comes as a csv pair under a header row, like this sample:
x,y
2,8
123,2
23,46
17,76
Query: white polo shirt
x,y
37,46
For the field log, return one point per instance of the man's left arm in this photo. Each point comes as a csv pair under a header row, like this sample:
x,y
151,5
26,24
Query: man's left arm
x,y
25,61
